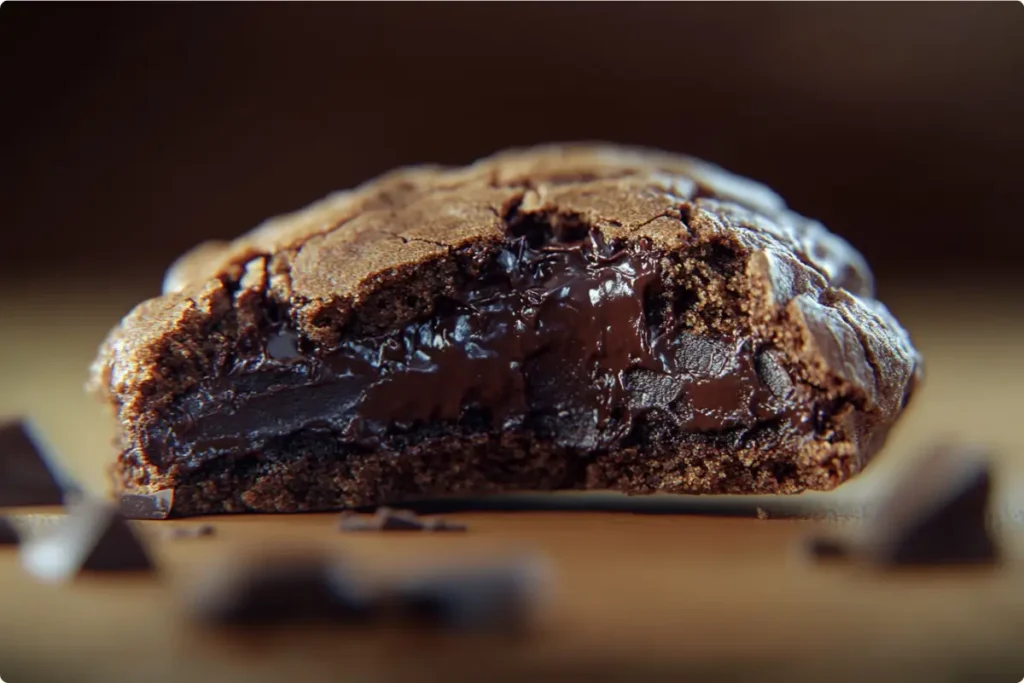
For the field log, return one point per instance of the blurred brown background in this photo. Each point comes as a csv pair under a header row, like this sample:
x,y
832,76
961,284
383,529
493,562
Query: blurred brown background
x,y
131,131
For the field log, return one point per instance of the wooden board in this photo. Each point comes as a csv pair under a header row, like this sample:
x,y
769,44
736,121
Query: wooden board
x,y
644,589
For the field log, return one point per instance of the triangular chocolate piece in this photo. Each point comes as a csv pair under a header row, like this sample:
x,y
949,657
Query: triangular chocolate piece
x,y
938,515
25,476
8,534
94,537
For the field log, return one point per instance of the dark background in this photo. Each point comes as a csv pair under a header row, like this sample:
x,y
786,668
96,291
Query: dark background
x,y
131,131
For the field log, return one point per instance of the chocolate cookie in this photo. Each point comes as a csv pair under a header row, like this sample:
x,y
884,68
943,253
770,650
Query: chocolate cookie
x,y
574,317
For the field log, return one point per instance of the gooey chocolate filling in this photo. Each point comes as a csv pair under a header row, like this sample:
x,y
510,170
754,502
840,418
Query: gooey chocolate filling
x,y
552,337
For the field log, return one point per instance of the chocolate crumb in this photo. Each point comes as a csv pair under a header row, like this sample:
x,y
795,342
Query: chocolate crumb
x,y
276,590
197,531
93,537
26,476
156,505
388,519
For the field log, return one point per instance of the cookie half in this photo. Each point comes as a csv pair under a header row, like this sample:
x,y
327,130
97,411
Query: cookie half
x,y
565,317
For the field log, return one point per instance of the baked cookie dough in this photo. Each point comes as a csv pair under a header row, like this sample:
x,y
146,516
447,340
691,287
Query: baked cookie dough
x,y
564,317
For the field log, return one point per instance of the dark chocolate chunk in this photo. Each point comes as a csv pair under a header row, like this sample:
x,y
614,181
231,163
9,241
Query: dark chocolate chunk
x,y
773,374
155,505
938,514
192,531
494,597
26,476
387,519
93,537
8,534
571,318
279,590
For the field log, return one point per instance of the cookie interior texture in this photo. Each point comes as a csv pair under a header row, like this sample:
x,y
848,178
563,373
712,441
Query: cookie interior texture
x,y
570,317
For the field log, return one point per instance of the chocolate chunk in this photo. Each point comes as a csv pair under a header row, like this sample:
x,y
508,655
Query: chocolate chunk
x,y
773,374
8,534
93,537
560,318
279,590
387,519
26,478
938,514
193,531
495,597
155,505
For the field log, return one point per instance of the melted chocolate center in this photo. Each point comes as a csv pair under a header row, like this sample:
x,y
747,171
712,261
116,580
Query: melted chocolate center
x,y
553,337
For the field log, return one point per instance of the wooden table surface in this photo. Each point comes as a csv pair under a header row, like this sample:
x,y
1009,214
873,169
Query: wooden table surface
x,y
700,593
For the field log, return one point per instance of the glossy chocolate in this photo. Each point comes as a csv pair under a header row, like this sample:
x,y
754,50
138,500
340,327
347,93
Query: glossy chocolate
x,y
552,337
